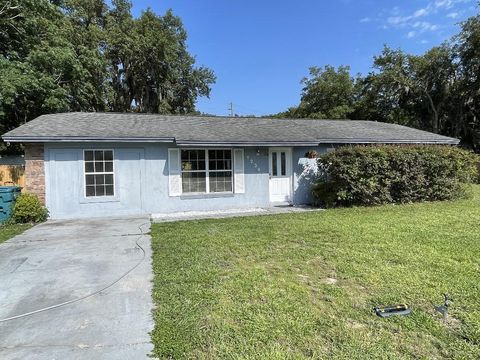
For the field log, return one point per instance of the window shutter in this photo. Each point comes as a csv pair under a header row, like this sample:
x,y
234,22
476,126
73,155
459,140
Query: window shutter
x,y
174,173
239,167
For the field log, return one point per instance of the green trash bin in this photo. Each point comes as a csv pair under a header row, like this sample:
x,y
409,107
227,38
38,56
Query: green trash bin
x,y
8,195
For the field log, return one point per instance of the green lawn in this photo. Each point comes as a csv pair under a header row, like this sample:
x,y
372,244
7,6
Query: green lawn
x,y
298,286
9,231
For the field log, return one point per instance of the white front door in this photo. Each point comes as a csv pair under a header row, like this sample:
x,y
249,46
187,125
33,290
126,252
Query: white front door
x,y
280,175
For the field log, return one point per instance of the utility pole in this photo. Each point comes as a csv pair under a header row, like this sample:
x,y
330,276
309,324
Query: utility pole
x,y
231,109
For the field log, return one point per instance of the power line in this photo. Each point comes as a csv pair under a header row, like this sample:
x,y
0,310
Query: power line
x,y
231,109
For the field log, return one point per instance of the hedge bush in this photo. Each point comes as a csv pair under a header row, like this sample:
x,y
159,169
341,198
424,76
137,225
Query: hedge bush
x,y
381,174
29,209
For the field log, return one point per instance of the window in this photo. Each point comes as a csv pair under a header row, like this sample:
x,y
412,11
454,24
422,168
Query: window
x,y
283,163
207,171
220,170
99,175
274,163
194,172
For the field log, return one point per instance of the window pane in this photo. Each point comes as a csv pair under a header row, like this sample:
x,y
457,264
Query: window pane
x,y
211,155
99,155
194,182
90,190
186,165
109,190
89,167
220,159
100,190
274,164
193,160
90,180
98,166
109,179
108,155
99,179
89,155
283,164
108,166
186,180
221,181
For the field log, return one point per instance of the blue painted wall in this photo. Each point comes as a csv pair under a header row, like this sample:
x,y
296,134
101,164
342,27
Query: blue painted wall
x,y
141,182
303,181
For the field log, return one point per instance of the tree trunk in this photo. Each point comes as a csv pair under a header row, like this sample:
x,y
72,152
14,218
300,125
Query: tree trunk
x,y
435,124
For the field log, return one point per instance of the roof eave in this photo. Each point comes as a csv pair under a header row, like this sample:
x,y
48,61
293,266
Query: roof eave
x,y
41,139
318,142
447,141
190,143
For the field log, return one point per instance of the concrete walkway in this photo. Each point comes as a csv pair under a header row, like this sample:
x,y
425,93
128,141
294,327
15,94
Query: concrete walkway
x,y
219,214
60,261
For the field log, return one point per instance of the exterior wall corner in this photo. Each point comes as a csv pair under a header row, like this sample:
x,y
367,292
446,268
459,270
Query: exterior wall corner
x,y
35,170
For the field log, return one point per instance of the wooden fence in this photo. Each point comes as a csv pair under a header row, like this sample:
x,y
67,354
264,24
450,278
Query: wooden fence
x,y
12,175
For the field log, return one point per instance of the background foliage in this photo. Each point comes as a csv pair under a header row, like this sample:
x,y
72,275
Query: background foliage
x,y
372,175
438,91
93,55
83,55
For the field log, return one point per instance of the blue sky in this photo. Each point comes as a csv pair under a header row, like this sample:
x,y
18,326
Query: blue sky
x,y
260,50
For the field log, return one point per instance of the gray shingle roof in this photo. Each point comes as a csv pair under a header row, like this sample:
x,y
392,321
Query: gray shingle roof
x,y
197,130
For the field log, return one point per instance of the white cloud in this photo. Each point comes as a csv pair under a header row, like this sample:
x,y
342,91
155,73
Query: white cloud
x,y
423,26
423,19
447,4
396,20
420,12
404,20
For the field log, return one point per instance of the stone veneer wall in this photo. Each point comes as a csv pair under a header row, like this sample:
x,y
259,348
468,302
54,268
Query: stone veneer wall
x,y
35,170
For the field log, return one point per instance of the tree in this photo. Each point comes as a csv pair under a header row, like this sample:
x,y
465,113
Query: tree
x,y
33,60
82,55
437,91
151,68
327,94
408,89
467,46
89,80
432,79
51,63
119,50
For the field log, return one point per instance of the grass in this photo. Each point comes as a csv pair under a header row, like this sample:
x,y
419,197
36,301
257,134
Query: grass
x,y
299,286
10,230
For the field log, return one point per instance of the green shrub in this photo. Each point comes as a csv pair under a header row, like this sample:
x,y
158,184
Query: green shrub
x,y
29,209
478,170
382,174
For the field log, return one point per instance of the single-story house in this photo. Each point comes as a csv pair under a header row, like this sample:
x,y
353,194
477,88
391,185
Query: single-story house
x,y
108,164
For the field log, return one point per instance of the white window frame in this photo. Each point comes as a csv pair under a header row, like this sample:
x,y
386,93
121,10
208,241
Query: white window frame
x,y
207,171
98,173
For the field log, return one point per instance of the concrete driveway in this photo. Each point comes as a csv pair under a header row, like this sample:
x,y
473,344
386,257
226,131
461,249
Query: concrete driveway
x,y
61,261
